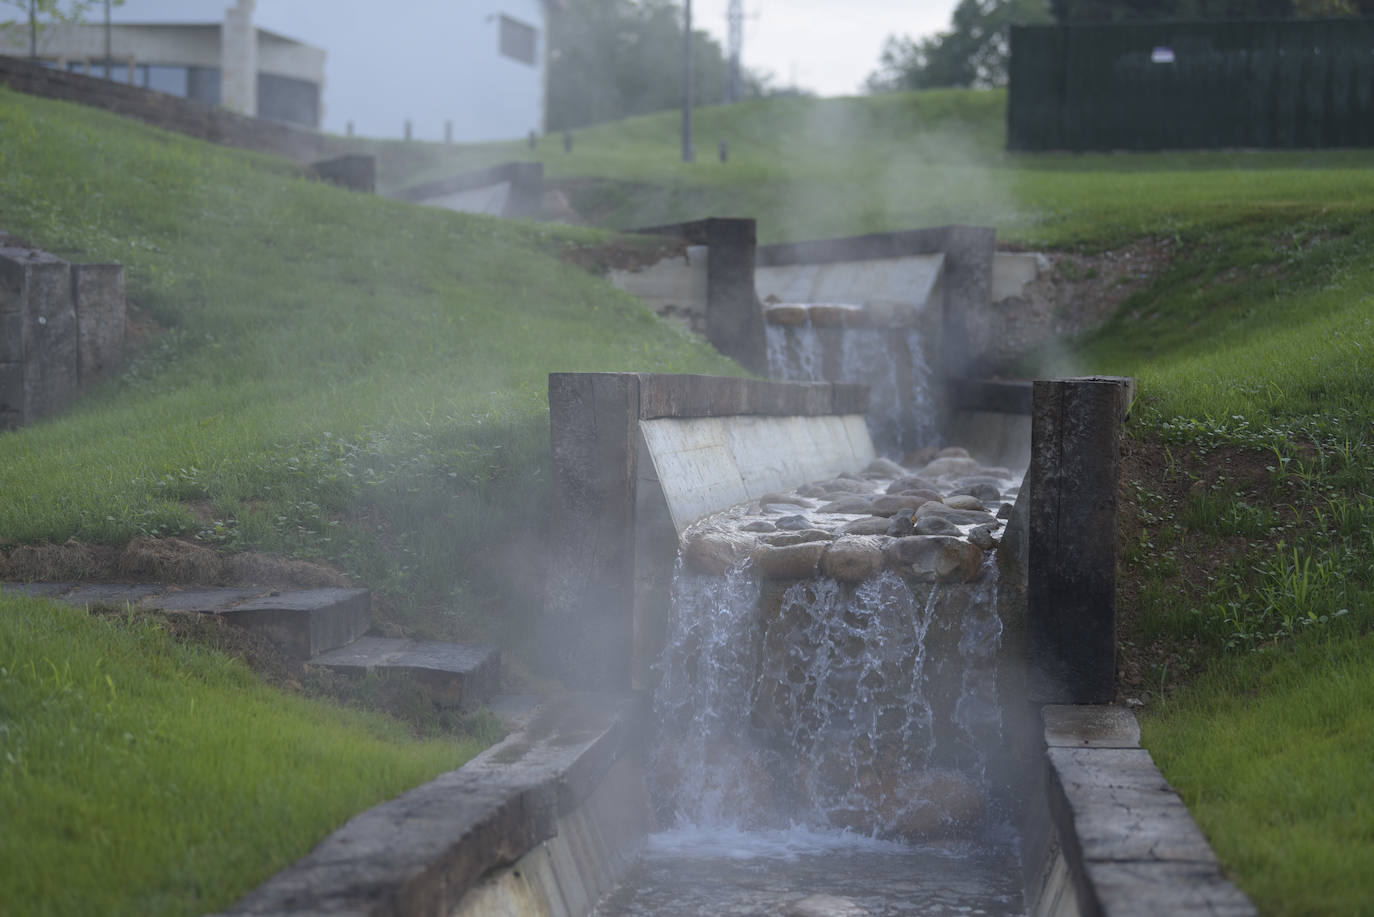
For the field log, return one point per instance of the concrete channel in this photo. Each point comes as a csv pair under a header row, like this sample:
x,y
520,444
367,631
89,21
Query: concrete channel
x,y
552,819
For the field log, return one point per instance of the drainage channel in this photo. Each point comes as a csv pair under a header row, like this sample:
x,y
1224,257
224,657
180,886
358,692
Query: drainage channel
x,y
827,722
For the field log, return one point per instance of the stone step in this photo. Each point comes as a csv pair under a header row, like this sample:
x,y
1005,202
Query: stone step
x,y
455,675
303,622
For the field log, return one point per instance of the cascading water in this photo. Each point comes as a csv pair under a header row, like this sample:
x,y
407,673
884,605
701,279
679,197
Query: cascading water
x,y
902,409
794,353
819,737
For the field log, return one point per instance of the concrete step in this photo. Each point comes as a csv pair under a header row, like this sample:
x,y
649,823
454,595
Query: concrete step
x,y
455,675
303,622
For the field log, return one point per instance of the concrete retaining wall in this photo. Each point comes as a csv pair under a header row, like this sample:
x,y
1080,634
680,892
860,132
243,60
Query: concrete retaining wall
x,y
1107,836
613,519
542,823
61,328
511,189
205,122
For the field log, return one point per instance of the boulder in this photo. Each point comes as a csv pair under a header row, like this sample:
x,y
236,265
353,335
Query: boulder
x,y
714,551
853,503
891,504
758,525
910,482
902,524
853,559
886,467
869,525
785,314
963,501
798,561
953,465
784,539
935,525
793,523
934,558
952,452
957,516
987,493
835,315
982,536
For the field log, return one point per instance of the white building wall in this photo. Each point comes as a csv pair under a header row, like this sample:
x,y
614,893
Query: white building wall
x,y
239,60
428,61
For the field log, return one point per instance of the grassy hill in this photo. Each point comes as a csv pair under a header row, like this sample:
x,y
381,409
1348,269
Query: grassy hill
x,y
346,379
316,373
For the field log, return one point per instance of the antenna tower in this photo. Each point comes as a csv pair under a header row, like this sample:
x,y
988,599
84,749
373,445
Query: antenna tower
x,y
735,17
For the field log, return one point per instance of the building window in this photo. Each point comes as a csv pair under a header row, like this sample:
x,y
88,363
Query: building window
x,y
517,40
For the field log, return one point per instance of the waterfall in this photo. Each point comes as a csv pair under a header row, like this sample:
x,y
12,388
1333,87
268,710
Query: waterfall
x,y
902,407
867,707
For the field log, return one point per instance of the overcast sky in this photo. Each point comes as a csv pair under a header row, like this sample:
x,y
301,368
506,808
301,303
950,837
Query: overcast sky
x,y
826,46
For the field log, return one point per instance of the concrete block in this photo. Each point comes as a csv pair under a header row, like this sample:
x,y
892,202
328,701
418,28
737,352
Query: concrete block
x,y
208,601
36,295
98,295
454,675
307,622
1122,808
1178,889
355,172
1090,726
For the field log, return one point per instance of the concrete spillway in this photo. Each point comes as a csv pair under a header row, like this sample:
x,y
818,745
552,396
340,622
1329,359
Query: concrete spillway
x,y
814,721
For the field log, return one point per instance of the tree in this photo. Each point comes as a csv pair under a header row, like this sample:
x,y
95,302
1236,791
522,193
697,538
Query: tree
x,y
973,52
40,13
610,59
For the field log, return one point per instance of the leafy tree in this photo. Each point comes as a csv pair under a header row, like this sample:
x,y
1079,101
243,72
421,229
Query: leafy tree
x,y
973,52
610,59
39,13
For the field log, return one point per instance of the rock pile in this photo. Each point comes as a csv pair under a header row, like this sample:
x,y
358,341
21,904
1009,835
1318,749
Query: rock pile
x,y
933,522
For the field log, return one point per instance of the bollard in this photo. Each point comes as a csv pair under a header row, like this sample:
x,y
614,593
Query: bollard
x,y
408,129
533,140
349,129
724,151
448,132
567,141
1071,575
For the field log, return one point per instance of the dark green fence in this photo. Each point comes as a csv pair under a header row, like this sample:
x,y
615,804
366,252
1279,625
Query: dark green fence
x,y
1192,85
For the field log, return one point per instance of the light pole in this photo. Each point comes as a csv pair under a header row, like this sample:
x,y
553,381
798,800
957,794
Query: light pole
x,y
688,154
109,45
33,29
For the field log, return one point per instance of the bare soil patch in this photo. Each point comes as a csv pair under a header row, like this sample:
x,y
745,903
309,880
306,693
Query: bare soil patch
x,y
161,560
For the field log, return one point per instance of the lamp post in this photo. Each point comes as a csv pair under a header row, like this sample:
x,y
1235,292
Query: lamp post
x,y
109,45
33,29
688,154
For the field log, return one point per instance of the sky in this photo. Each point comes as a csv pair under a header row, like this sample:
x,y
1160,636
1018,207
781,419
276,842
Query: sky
x,y
826,46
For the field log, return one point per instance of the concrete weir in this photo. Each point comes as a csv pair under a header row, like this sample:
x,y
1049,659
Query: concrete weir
x,y
562,818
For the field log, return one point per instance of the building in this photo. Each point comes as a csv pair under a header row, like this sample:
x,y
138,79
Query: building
x,y
450,68
226,61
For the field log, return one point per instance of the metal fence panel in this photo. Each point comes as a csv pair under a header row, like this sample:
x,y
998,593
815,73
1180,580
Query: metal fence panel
x,y
1192,85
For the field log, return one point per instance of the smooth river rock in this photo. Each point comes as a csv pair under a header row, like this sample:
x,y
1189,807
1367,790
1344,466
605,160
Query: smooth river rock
x,y
891,504
935,558
936,525
798,561
886,467
853,559
869,525
963,501
714,552
854,503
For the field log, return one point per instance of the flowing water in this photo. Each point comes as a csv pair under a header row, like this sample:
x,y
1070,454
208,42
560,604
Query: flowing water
x,y
819,738
891,362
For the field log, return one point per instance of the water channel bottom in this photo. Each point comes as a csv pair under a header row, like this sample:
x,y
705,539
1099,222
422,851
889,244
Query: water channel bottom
x,y
804,873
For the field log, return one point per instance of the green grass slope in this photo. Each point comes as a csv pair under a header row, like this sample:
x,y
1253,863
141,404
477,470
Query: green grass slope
x,y
812,168
139,776
323,374
333,375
